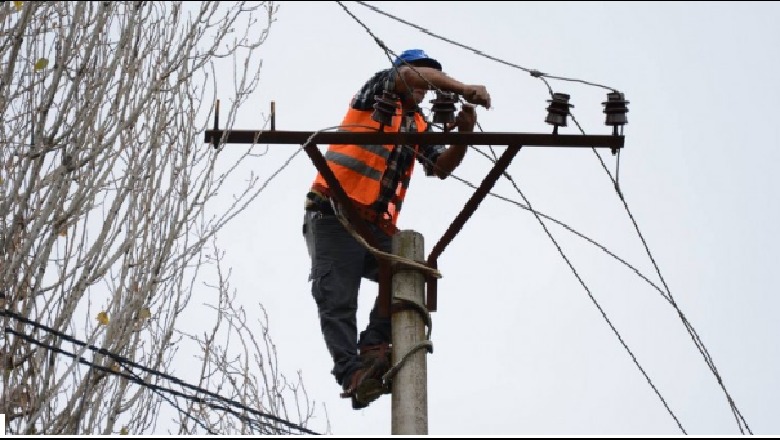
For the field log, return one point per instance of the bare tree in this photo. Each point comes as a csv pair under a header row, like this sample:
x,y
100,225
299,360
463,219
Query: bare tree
x,y
105,231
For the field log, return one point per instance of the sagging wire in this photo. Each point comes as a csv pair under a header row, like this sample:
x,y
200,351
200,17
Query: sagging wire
x,y
537,74
133,378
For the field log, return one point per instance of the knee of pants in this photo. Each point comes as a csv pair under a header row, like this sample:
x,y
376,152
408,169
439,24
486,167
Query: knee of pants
x,y
331,289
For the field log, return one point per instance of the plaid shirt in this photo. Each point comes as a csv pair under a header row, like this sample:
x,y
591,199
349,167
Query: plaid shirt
x,y
402,156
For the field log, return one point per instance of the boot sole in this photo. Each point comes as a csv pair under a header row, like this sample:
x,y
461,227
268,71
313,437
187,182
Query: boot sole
x,y
368,391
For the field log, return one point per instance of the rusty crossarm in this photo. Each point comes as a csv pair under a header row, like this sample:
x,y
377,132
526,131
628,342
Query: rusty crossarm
x,y
426,138
468,209
309,140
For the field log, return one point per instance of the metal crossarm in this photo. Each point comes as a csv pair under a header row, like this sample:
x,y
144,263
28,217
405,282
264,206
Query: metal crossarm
x,y
613,142
309,141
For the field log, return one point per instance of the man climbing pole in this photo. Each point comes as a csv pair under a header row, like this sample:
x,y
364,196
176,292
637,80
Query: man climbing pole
x,y
376,178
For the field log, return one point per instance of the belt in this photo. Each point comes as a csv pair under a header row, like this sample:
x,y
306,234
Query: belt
x,y
317,202
372,217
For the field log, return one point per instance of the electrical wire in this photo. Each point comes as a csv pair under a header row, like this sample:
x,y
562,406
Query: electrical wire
x,y
391,56
595,302
130,377
568,262
537,74
741,422
127,362
533,72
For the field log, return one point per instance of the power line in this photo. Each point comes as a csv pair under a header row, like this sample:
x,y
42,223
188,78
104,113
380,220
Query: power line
x,y
174,404
533,72
603,313
576,274
128,362
688,326
596,303
130,377
668,296
559,223
388,52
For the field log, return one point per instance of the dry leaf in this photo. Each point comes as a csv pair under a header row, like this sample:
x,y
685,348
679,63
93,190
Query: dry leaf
x,y
145,313
63,232
41,63
20,397
102,318
8,361
18,5
115,367
124,431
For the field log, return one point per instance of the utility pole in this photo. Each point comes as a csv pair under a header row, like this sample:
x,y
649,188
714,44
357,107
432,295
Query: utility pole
x,y
410,383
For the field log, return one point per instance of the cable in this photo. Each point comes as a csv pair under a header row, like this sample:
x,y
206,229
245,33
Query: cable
x,y
560,223
667,295
126,361
130,377
173,404
598,306
541,76
601,310
381,44
689,327
604,315
532,72
427,344
389,53
377,253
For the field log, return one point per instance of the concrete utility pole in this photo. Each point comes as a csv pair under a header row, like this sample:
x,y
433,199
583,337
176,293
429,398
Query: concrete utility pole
x,y
410,384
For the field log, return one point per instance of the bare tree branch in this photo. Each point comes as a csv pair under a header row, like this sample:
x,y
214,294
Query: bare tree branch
x,y
104,233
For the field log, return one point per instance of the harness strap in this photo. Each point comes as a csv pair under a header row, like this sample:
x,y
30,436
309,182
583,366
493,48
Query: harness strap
x,y
318,200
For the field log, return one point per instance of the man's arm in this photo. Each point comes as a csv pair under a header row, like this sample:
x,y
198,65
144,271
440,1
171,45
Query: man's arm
x,y
428,78
452,157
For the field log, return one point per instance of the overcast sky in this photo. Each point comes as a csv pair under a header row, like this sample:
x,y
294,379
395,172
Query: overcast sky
x,y
519,346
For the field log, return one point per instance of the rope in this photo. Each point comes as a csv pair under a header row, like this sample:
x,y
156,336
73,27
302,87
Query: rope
x,y
406,262
427,343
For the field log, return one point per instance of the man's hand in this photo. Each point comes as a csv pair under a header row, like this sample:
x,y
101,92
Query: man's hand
x,y
477,95
451,157
467,117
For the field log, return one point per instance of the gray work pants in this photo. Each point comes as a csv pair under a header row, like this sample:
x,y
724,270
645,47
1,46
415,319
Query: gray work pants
x,y
338,262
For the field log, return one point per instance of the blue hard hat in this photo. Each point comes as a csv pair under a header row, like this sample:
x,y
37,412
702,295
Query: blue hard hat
x,y
417,57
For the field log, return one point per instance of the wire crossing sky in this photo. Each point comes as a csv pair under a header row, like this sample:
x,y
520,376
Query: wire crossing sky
x,y
128,374
697,340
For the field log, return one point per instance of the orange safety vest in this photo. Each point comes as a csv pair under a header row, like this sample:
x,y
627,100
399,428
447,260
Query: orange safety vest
x,y
359,168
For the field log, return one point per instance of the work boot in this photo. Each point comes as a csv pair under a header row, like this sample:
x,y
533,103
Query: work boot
x,y
381,352
364,386
380,356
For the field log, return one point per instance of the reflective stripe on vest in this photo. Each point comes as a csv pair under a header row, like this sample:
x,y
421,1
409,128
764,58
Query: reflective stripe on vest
x,y
353,164
359,168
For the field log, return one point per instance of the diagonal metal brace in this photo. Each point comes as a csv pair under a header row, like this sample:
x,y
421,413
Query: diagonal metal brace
x,y
384,269
484,188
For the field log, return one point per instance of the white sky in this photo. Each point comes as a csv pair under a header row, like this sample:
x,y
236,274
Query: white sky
x,y
519,348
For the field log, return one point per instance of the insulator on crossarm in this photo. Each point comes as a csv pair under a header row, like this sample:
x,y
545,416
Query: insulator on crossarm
x,y
443,108
558,110
615,109
385,108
